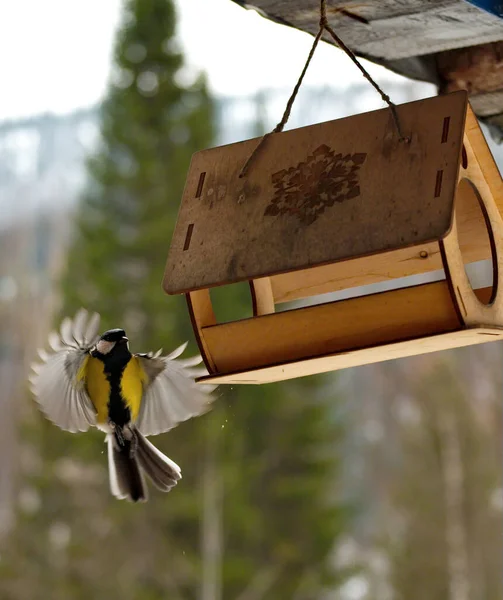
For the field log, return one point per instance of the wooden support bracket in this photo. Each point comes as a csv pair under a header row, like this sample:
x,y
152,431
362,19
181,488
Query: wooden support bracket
x,y
262,296
202,315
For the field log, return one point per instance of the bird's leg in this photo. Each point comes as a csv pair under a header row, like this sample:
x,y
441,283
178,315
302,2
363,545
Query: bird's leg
x,y
118,433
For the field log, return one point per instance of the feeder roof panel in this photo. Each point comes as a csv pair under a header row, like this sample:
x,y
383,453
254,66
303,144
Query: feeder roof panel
x,y
317,195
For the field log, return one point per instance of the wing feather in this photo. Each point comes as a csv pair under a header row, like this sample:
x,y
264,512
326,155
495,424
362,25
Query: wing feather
x,y
66,332
171,394
55,341
56,383
93,326
176,352
79,325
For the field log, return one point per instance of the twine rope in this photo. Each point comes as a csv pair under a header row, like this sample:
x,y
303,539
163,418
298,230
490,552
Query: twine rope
x,y
324,26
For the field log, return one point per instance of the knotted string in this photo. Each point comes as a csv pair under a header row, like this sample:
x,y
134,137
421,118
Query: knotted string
x,y
324,26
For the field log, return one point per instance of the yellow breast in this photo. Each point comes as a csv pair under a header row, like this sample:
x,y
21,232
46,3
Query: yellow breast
x,y
98,387
132,382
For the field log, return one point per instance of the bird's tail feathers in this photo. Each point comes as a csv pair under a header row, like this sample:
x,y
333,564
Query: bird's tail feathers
x,y
127,459
126,479
163,472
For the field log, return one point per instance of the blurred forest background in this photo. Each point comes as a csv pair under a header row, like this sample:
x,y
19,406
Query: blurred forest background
x,y
377,483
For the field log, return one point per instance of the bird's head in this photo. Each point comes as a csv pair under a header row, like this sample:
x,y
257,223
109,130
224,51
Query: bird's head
x,y
110,339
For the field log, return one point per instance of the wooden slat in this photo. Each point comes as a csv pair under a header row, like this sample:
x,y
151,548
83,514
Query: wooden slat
x,y
351,189
333,327
355,358
262,296
383,267
354,273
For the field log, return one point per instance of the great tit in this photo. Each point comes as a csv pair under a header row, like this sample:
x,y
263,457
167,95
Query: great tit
x,y
91,380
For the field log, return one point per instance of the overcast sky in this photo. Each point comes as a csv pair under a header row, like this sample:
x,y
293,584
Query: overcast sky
x,y
55,54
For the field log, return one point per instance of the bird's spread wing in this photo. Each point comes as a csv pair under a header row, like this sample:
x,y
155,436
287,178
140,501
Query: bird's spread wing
x,y
171,393
58,380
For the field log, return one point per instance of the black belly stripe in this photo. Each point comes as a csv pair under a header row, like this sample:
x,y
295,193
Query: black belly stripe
x,y
118,411
114,365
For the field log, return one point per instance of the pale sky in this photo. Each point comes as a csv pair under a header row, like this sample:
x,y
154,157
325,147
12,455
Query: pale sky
x,y
56,54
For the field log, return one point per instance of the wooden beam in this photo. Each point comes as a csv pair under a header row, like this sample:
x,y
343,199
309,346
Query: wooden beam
x,y
479,71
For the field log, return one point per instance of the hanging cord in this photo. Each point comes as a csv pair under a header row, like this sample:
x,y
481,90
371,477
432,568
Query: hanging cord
x,y
286,115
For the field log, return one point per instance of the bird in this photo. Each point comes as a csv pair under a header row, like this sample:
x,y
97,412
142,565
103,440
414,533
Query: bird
x,y
90,380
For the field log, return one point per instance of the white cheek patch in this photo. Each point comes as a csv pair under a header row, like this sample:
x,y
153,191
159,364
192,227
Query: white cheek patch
x,y
104,347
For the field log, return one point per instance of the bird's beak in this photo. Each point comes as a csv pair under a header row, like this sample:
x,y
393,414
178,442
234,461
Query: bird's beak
x,y
125,339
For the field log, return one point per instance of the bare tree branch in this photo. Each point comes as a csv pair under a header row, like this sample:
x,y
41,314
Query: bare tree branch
x,y
212,527
452,464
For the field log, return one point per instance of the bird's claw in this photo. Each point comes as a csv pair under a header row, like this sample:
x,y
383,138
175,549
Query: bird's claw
x,y
118,433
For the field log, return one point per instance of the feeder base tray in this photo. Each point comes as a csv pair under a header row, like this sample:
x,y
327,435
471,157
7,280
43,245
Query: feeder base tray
x,y
356,358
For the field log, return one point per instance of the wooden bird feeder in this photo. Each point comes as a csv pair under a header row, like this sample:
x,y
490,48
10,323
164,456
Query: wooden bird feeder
x,y
339,205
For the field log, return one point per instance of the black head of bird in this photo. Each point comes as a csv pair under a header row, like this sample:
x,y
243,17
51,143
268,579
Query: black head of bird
x,y
114,335
110,339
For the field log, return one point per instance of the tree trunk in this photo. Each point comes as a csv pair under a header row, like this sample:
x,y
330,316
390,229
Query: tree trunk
x,y
212,526
453,475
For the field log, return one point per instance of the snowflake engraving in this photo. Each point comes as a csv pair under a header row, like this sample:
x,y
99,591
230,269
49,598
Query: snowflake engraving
x,y
307,190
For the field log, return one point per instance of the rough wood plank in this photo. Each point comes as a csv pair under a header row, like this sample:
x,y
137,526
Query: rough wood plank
x,y
332,327
318,194
405,36
356,358
395,29
478,69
